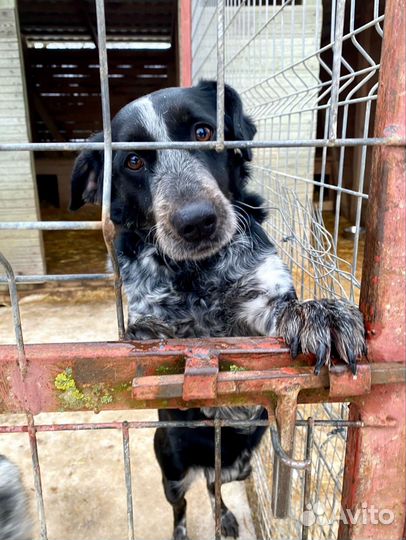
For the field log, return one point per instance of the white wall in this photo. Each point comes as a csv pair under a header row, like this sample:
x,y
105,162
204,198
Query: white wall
x,y
18,195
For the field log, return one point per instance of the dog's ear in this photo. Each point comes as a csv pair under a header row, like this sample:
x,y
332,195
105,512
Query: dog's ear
x,y
87,177
240,125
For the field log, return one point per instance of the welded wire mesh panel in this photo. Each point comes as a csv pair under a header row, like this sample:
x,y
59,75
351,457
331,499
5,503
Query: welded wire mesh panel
x,y
306,70
320,514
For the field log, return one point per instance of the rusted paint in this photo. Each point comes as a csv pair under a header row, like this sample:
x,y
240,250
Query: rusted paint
x,y
285,414
343,383
200,377
185,50
375,469
112,367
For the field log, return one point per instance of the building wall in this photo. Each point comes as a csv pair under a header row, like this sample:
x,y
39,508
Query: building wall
x,y
18,194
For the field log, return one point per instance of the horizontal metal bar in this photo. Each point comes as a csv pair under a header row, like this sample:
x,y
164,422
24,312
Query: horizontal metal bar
x,y
51,225
58,277
211,145
275,173
149,424
150,374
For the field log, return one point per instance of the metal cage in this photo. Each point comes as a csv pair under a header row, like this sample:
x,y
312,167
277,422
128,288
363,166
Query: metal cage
x,y
304,87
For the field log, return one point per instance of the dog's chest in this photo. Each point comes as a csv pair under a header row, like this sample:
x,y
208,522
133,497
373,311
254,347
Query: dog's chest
x,y
189,298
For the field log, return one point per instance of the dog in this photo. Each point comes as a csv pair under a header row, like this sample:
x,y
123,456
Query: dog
x,y
14,516
196,262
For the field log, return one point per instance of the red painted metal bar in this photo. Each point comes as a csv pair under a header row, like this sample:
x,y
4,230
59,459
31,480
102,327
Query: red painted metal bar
x,y
185,42
152,374
376,459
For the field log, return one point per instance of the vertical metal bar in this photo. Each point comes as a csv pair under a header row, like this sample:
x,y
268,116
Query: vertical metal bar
x,y
108,226
220,76
285,414
37,477
308,474
217,479
335,78
375,468
186,42
12,287
361,178
128,482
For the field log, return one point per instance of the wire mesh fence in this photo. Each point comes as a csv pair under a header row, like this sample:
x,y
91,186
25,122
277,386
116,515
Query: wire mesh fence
x,y
307,73
306,70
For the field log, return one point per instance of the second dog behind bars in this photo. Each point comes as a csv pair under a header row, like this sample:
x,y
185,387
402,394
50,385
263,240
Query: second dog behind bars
x,y
196,262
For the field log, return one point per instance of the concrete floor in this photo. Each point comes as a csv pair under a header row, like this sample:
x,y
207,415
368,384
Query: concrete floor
x,y
83,477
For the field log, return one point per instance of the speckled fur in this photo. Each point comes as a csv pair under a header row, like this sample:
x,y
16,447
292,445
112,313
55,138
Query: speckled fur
x,y
14,521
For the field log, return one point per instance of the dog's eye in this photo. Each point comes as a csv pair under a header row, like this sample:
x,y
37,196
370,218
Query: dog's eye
x,y
134,162
203,133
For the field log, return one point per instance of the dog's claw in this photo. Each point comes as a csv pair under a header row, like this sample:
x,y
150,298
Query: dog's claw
x,y
321,358
295,348
229,525
352,362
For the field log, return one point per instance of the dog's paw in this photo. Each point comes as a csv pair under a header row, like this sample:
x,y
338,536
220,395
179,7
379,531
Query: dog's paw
x,y
180,533
325,328
229,525
148,327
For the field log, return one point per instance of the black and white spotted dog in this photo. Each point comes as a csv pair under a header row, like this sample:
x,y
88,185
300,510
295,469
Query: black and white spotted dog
x,y
196,262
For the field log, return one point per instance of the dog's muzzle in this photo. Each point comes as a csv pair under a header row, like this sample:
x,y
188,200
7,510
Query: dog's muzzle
x,y
196,221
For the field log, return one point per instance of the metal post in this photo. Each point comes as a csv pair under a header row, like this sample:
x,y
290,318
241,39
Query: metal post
x,y
375,461
220,76
107,224
217,479
185,42
285,414
128,481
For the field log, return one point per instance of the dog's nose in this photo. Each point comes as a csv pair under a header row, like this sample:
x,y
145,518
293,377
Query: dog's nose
x,y
196,221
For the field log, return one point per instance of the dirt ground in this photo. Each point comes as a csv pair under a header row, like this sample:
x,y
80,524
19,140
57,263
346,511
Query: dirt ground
x,y
82,472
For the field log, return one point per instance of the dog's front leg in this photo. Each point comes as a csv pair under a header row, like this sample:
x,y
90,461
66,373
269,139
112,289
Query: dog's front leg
x,y
324,327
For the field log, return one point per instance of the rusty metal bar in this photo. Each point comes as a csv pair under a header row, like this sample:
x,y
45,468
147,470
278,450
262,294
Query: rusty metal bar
x,y
128,483
37,477
217,479
308,475
375,468
283,456
150,424
107,225
151,374
285,414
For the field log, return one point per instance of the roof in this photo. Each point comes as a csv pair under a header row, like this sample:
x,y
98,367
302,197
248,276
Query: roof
x,y
61,60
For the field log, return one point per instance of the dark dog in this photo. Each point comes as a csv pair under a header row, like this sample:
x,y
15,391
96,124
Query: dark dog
x,y
196,262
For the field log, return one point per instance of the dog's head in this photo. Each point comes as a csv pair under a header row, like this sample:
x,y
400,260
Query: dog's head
x,y
183,198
